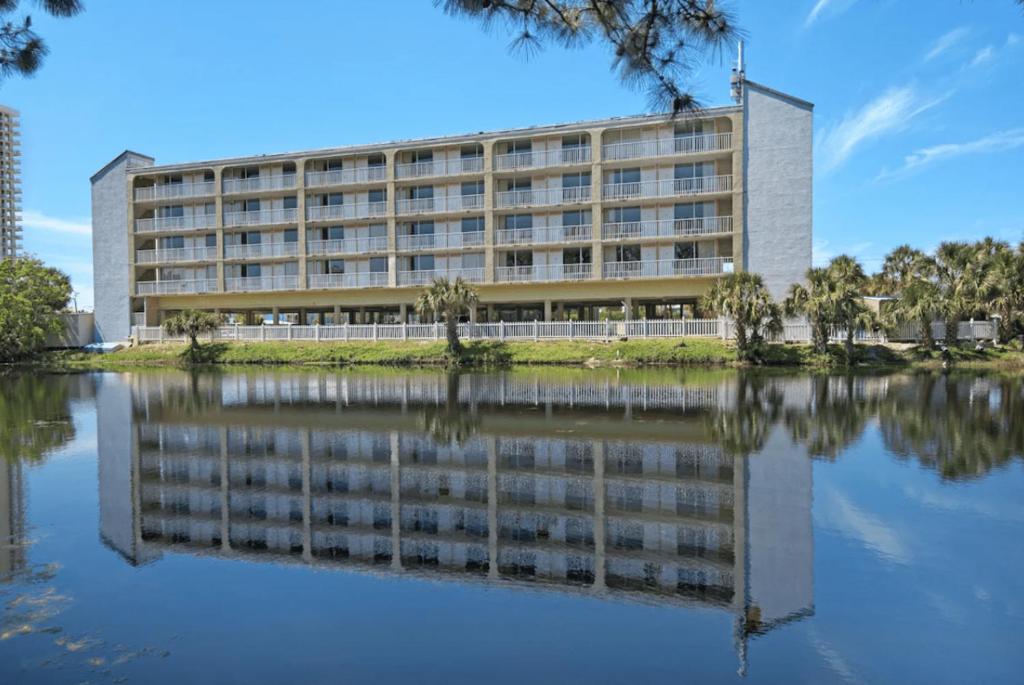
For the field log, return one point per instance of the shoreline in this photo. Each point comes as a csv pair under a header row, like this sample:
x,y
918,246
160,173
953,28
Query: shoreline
x,y
646,353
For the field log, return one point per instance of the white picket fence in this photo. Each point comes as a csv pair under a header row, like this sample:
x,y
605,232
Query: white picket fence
x,y
793,331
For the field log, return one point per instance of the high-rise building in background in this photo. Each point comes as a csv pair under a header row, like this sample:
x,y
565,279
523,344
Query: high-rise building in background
x,y
10,183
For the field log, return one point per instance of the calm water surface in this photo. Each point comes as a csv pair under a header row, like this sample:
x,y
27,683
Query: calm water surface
x,y
547,527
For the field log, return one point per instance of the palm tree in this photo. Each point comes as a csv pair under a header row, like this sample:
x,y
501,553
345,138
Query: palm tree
x,y
191,323
958,271
921,302
815,301
744,298
901,267
1003,289
449,301
847,281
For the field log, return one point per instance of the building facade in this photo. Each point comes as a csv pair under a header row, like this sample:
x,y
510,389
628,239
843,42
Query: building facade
x,y
10,183
631,217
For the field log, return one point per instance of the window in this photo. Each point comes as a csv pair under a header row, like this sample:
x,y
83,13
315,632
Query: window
x,y
421,228
208,176
291,202
698,170
335,266
251,238
421,156
520,184
689,211
514,221
421,263
471,151
576,255
172,242
686,250
251,205
627,253
172,212
334,165
376,196
250,270
378,265
519,258
211,240
580,180
249,172
332,199
474,260
474,224
333,233
519,146
378,231
473,188
626,176
572,218
621,215
421,193
575,140
173,179
692,128
375,160
291,235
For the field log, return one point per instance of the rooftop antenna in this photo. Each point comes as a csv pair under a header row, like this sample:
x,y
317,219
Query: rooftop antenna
x,y
738,75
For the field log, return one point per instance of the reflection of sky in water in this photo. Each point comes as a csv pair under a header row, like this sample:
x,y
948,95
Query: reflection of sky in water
x,y
913,577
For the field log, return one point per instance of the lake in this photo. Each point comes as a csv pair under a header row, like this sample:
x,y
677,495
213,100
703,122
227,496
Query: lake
x,y
544,526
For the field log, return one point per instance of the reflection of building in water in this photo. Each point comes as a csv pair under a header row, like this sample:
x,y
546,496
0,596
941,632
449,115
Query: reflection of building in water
x,y
646,506
12,518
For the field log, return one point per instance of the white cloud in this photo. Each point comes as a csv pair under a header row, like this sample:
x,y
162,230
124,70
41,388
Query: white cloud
x,y
822,5
872,531
889,112
1012,39
996,142
983,56
38,221
946,42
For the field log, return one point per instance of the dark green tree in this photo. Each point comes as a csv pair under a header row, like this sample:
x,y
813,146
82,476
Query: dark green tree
x,y
32,296
21,49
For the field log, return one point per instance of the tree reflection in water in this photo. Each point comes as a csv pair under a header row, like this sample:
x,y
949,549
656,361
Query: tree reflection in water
x,y
35,416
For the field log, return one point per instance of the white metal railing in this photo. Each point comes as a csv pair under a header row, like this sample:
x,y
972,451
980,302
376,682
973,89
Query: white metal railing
x,y
442,203
441,241
666,228
261,216
538,159
658,268
176,254
544,272
337,177
249,283
544,234
175,223
440,167
348,210
348,245
258,250
363,279
259,183
199,285
543,196
171,191
667,187
426,277
664,147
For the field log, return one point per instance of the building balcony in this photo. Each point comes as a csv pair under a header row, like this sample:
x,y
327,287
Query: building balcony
x,y
566,156
261,250
200,285
667,187
544,234
542,197
440,167
666,147
347,246
427,277
259,183
175,223
439,205
544,272
666,268
364,279
254,283
260,217
176,254
351,210
173,191
340,177
439,241
666,228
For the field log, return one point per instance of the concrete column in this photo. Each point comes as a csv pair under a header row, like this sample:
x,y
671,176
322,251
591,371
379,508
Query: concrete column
x,y
547,310
362,315
492,507
560,311
302,316
599,523
473,315
307,497
337,314
300,198
218,222
489,254
627,308
403,313
596,210
389,160
396,503
739,174
277,315
490,313
225,493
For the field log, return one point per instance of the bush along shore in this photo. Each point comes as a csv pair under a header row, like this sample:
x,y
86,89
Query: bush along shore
x,y
626,353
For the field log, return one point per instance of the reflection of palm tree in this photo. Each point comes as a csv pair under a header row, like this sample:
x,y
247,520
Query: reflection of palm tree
x,y
961,426
743,428
35,418
451,422
833,417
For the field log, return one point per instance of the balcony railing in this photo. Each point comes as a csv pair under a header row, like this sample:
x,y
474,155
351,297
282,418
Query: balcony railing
x,y
261,250
544,272
251,283
350,210
261,216
543,196
365,279
175,223
666,228
426,277
171,191
539,159
667,147
443,203
176,254
663,268
347,245
440,167
200,285
668,187
259,183
440,241
543,234
339,177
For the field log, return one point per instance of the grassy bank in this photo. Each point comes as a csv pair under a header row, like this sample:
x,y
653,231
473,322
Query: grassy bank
x,y
655,352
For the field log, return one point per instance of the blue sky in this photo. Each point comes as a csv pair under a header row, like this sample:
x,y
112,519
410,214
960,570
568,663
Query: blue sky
x,y
919,118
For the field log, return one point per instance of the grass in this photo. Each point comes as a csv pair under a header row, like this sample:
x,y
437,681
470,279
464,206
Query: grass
x,y
624,353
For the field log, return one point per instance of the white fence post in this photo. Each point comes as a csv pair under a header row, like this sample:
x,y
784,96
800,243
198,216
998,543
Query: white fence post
x,y
160,334
316,331
536,330
374,330
501,330
263,332
572,329
345,330
607,328
289,332
647,332
405,331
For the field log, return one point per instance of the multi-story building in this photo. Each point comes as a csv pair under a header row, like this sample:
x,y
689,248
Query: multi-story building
x,y
633,215
10,183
